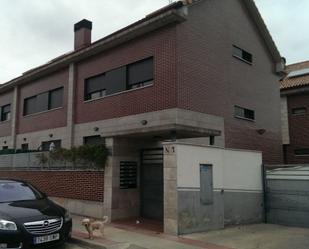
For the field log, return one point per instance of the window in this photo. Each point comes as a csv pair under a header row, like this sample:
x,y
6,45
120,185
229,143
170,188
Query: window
x,y
301,152
5,147
242,54
206,184
131,76
25,147
44,101
49,145
5,113
140,74
55,98
94,140
299,111
244,113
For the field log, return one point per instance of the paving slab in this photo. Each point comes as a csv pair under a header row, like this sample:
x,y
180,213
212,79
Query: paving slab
x,y
260,236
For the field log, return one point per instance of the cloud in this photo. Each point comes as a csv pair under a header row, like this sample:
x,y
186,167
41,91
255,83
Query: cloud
x,y
35,31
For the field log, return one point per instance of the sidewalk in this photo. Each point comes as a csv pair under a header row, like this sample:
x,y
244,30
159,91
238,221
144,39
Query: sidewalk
x,y
123,236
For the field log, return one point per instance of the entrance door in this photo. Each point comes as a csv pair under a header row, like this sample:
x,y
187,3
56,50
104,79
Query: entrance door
x,y
152,184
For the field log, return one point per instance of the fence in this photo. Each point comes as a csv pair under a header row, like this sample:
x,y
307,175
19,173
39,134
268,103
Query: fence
x,y
33,161
287,195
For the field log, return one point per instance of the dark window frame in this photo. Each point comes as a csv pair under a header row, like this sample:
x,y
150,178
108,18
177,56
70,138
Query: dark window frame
x,y
301,152
248,114
5,116
48,102
295,113
245,55
128,87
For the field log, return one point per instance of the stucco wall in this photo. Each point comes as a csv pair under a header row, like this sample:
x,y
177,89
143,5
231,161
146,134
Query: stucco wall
x,y
237,187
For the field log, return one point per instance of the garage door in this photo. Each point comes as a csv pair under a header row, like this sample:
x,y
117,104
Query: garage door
x,y
287,196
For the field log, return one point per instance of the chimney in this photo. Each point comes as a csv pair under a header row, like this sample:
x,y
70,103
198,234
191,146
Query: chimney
x,y
82,34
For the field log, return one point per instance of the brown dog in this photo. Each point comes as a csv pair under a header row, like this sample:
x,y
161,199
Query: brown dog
x,y
92,225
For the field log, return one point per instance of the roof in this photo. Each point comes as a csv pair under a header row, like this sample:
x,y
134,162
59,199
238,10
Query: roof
x,y
172,13
297,76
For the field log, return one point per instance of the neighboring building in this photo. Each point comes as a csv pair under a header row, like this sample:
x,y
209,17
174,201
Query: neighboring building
x,y
206,72
294,113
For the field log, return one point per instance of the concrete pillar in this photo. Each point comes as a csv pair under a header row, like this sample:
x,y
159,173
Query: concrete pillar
x,y
14,115
170,190
70,112
108,180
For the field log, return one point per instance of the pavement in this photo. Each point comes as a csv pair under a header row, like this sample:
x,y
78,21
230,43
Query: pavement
x,y
132,236
142,236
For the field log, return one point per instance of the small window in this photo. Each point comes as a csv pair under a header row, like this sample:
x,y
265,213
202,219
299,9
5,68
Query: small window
x,y
5,147
301,152
25,147
5,113
206,184
94,140
242,54
244,113
299,111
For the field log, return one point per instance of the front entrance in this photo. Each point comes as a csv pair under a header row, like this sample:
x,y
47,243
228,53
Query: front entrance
x,y
152,184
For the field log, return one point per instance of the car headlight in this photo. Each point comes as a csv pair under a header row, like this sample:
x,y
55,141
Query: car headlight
x,y
67,216
7,225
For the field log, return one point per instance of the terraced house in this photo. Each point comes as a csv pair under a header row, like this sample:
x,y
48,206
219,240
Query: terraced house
x,y
294,112
201,72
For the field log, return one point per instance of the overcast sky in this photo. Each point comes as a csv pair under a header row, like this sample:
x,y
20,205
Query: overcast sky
x,y
35,31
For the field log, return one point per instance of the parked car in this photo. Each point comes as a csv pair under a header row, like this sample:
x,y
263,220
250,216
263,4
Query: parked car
x,y
28,219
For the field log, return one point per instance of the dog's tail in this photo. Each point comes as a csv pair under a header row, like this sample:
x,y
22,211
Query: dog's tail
x,y
105,219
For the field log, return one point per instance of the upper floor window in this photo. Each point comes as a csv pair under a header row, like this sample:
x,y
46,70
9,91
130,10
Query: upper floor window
x,y
301,152
242,54
44,101
299,111
5,113
244,113
131,76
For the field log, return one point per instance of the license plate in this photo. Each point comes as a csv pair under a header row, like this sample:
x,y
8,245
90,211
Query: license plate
x,y
46,238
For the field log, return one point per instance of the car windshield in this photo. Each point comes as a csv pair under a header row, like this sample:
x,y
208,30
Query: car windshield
x,y
18,191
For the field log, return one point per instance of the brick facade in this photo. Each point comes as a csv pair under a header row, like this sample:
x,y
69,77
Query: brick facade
x,y
211,80
298,128
80,185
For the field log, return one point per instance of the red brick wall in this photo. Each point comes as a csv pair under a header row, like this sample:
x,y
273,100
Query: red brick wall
x,y
162,95
5,127
49,119
211,80
82,185
298,128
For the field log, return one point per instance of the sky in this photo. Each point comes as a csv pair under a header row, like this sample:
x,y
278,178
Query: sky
x,y
35,31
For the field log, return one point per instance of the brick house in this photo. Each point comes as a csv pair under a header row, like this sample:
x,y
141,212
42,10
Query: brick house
x,y
294,113
182,73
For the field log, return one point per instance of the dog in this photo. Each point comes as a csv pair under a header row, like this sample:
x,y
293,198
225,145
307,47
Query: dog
x,y
91,225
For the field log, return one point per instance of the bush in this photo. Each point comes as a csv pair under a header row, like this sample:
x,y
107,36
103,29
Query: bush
x,y
95,155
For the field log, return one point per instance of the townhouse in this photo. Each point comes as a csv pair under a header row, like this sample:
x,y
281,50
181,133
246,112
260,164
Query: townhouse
x,y
200,72
294,113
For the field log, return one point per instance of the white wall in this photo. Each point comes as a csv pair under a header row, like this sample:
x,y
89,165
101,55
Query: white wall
x,y
232,169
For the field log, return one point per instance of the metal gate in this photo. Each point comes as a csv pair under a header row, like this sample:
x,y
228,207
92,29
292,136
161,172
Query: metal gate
x,y
152,184
287,196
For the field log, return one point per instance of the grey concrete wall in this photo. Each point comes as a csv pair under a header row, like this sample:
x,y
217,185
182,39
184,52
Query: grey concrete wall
x,y
243,208
193,216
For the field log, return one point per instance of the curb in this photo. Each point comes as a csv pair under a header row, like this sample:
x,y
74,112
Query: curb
x,y
81,242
